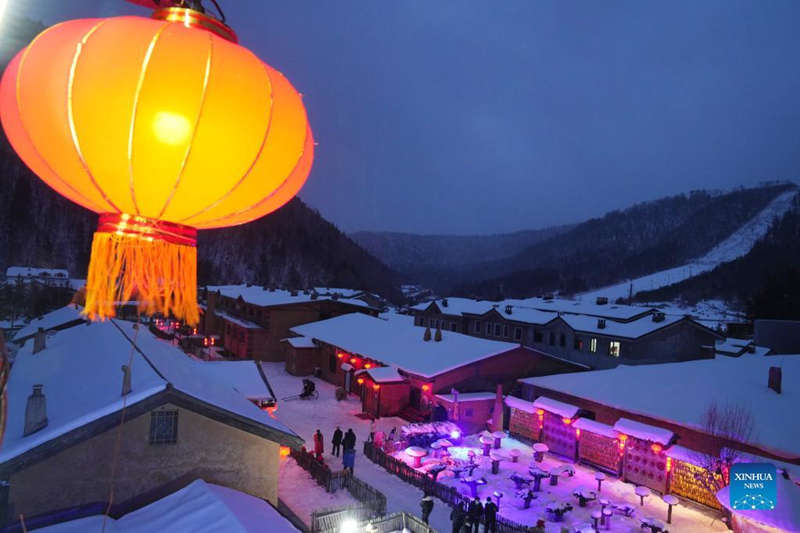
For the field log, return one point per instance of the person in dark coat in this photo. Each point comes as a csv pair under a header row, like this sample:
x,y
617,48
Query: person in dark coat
x,y
426,503
349,441
490,515
458,516
337,441
319,444
475,514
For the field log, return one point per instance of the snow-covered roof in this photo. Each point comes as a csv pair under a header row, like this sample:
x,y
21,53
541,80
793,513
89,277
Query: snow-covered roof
x,y
519,403
458,306
586,306
246,324
468,397
260,296
199,507
733,346
59,317
593,426
401,344
81,378
528,315
30,272
680,392
784,517
628,330
383,374
241,375
681,453
300,342
643,431
554,406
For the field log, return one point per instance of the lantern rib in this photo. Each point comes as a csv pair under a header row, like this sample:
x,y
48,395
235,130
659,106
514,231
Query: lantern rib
x,y
188,152
255,159
71,115
137,94
270,195
17,91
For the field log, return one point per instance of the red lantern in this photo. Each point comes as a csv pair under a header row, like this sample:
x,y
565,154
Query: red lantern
x,y
656,448
368,365
360,381
162,126
567,421
340,355
375,386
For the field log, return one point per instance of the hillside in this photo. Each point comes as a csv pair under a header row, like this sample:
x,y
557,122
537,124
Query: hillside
x,y
410,253
765,281
642,239
293,246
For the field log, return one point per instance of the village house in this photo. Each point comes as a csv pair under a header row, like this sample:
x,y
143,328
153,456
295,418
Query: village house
x,y
66,399
50,277
398,369
599,335
252,320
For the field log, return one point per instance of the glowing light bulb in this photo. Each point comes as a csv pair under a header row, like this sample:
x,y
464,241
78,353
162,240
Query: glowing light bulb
x,y
171,128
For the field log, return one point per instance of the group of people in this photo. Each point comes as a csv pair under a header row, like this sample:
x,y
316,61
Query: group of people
x,y
344,443
469,516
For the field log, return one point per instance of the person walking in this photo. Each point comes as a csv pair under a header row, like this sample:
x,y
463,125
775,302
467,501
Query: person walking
x,y
372,430
337,441
426,503
490,515
457,517
475,514
349,441
319,445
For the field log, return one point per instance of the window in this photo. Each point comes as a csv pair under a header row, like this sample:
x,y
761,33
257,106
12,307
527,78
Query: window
x,y
477,326
421,321
537,335
505,331
517,334
613,348
578,343
593,344
453,326
497,330
562,340
488,329
552,338
163,427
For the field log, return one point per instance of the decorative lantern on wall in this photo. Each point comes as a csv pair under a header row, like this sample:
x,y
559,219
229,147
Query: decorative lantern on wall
x,y
162,126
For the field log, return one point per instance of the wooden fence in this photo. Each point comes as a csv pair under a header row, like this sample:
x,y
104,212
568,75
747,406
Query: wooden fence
x,y
449,495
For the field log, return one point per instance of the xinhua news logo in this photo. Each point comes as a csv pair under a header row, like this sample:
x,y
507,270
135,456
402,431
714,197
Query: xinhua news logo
x,y
753,486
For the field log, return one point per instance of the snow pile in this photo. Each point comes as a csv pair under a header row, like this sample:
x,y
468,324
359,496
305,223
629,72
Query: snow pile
x,y
643,431
735,246
554,406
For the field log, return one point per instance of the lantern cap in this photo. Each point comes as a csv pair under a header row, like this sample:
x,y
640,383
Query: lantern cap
x,y
192,18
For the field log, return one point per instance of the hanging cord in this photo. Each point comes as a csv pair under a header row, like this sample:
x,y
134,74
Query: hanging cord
x,y
117,444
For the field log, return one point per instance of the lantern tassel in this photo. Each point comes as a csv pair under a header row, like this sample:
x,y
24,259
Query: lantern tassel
x,y
129,258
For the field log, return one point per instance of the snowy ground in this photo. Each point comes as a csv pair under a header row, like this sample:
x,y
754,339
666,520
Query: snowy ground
x,y
735,246
305,417
298,490
684,519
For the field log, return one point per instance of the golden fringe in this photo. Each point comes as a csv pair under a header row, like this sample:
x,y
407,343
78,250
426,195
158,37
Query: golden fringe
x,y
162,275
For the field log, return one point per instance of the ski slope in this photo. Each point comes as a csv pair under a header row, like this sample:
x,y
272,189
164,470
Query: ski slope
x,y
735,246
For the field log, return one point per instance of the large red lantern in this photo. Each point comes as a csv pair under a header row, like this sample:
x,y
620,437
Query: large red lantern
x,y
163,126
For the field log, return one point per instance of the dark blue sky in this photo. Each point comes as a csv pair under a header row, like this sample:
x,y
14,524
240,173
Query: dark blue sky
x,y
461,116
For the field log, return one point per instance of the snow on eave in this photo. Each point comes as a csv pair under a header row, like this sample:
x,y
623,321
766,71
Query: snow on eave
x,y
593,426
468,397
519,403
563,409
644,431
299,342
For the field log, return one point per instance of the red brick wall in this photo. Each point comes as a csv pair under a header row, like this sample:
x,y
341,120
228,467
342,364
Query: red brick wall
x,y
524,424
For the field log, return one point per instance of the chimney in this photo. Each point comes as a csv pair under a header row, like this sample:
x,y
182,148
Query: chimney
x,y
438,336
314,295
601,323
126,379
35,411
508,309
427,335
444,302
497,412
602,300
39,341
658,316
751,348
774,381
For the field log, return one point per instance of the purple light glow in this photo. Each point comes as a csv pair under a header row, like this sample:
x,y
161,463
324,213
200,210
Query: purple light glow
x,y
455,434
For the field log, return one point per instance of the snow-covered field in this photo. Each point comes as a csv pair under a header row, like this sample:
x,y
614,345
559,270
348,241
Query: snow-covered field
x,y
298,490
304,417
735,246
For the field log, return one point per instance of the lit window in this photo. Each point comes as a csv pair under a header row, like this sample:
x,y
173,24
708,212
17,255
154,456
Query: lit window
x,y
163,427
578,343
593,344
517,334
613,348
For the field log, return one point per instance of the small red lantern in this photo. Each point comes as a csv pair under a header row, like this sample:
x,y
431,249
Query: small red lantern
x,y
353,360
368,365
567,421
656,448
194,331
360,381
284,451
340,355
205,341
577,433
375,386
213,341
426,387
669,464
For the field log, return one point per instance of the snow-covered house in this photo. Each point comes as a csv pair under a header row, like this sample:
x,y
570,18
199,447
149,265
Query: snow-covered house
x,y
107,399
51,277
65,317
199,507
733,347
253,320
599,334
404,367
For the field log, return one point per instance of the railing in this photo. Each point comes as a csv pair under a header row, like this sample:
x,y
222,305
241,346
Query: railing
x,y
385,524
448,495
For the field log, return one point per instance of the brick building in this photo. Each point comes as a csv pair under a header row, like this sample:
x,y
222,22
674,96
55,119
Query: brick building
x,y
395,370
252,320
64,413
599,334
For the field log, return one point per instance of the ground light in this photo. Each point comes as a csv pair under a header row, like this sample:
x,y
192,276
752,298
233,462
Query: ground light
x,y
348,526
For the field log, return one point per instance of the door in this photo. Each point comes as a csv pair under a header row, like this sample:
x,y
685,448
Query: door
x,y
414,397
